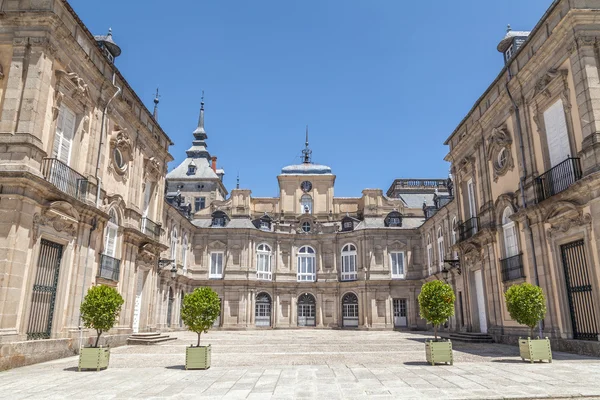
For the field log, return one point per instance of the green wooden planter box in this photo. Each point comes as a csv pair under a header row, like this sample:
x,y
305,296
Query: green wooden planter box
x,y
94,358
535,349
438,352
197,357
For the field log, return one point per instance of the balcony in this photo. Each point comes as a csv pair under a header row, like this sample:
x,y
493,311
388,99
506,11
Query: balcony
x,y
67,180
151,228
558,178
512,268
468,228
109,268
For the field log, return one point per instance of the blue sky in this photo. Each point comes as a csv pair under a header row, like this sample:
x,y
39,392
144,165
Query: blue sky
x,y
381,84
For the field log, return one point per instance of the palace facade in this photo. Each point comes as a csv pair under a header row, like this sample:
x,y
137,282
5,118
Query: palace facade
x,y
86,198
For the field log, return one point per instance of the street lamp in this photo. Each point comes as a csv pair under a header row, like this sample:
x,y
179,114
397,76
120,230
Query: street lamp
x,y
450,264
174,272
164,263
445,273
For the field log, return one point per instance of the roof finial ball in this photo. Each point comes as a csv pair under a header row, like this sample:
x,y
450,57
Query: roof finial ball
x,y
508,28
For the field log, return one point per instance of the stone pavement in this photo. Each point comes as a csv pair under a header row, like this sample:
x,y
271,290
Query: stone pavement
x,y
308,364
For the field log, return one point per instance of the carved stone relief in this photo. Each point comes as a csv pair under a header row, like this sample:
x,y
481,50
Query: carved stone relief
x,y
152,169
499,152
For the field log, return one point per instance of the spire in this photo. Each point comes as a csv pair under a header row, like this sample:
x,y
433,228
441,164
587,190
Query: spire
x,y
306,153
155,113
237,185
200,133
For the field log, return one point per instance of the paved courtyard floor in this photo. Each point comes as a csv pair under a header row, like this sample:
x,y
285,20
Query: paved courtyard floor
x,y
309,364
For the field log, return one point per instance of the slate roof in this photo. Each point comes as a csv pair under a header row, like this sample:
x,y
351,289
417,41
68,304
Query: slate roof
x,y
415,200
306,169
203,170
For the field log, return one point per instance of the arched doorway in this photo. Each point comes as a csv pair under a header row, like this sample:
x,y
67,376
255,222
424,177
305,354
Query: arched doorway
x,y
262,316
306,310
350,310
170,307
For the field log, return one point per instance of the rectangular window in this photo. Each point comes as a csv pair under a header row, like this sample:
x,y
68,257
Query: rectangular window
x,y
429,258
111,240
216,265
306,269
263,267
63,138
397,264
199,203
349,267
556,133
471,193
441,251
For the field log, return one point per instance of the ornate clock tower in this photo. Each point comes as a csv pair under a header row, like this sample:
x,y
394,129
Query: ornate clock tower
x,y
306,189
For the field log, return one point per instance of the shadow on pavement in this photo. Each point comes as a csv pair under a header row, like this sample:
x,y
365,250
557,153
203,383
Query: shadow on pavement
x,y
179,367
417,363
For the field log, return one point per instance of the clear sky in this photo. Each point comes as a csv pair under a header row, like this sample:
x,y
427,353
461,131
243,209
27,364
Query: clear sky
x,y
381,84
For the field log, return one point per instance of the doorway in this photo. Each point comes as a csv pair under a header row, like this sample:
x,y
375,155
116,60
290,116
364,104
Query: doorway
x,y
400,317
350,311
306,310
480,301
262,313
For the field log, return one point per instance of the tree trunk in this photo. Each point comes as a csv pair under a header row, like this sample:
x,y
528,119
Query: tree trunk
x,y
435,332
531,331
98,333
198,345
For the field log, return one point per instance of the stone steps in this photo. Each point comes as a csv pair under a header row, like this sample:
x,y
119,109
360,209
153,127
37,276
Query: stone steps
x,y
468,337
148,338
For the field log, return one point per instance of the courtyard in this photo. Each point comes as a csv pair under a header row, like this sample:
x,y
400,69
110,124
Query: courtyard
x,y
308,364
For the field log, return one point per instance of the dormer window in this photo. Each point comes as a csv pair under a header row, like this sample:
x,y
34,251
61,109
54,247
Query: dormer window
x,y
263,223
265,226
509,52
191,169
219,219
393,219
347,224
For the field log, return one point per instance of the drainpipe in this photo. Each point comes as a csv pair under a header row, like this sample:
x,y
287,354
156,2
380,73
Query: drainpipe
x,y
522,189
102,124
87,256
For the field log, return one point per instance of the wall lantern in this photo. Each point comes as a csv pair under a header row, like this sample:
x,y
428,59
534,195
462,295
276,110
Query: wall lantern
x,y
449,265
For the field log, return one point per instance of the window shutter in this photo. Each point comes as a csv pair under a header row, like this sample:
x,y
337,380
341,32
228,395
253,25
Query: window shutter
x,y
65,131
59,134
556,133
111,240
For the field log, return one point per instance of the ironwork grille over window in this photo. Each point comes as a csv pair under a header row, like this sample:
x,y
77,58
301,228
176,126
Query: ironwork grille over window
x,y
44,290
512,268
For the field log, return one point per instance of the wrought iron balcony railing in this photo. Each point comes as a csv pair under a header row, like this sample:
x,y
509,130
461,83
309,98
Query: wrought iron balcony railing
x,y
66,179
151,228
109,268
512,268
558,178
468,228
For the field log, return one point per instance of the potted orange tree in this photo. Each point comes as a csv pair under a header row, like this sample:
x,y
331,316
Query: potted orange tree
x,y
99,310
200,310
436,305
526,304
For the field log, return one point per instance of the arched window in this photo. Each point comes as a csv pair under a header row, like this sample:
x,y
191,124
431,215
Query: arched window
x,y
441,250
184,251
307,204
349,269
174,245
263,262
219,219
110,239
307,264
393,219
429,254
511,246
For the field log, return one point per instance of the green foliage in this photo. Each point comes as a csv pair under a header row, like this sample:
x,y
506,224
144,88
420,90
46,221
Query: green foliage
x,y
200,310
100,309
526,304
436,303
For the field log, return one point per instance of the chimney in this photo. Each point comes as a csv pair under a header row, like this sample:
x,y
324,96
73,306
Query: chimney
x,y
214,163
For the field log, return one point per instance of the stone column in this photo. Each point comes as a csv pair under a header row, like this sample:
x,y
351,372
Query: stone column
x,y
319,315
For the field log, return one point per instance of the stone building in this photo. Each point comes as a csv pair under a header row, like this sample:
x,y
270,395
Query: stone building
x,y
82,176
85,198
525,161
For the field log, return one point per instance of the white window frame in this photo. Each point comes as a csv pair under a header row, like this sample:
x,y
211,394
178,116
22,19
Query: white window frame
x,y
174,245
263,262
112,230
509,231
397,265
441,249
429,254
184,250
471,197
217,260
199,204
306,227
64,135
349,259
454,228
306,267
